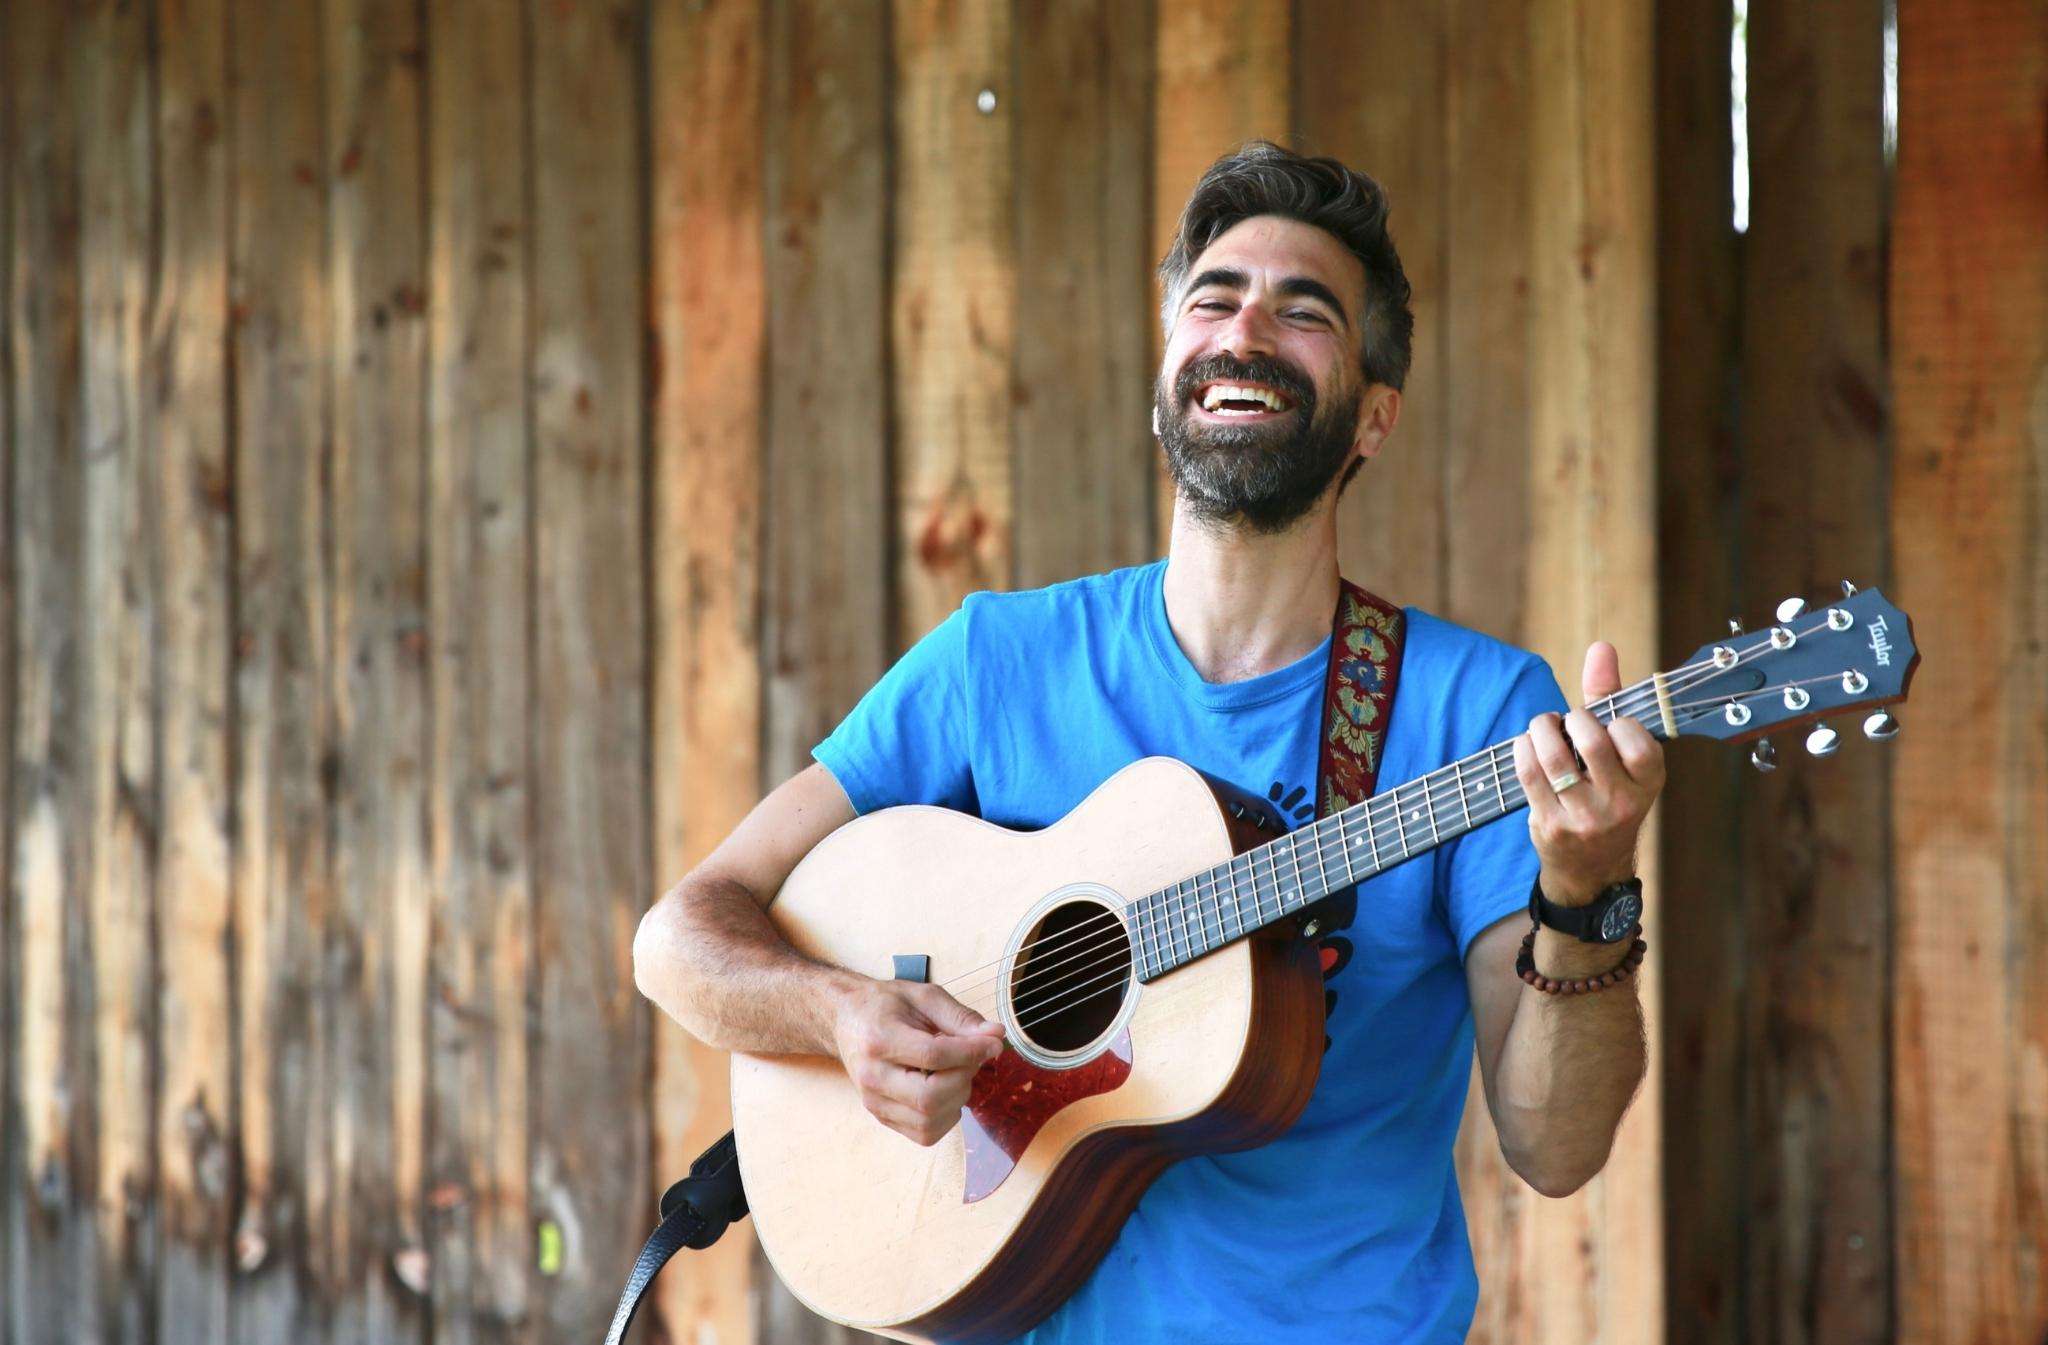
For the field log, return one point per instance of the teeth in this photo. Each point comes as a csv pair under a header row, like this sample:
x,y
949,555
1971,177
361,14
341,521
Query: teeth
x,y
1221,392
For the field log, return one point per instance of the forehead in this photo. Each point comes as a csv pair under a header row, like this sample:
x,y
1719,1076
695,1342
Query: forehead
x,y
1270,248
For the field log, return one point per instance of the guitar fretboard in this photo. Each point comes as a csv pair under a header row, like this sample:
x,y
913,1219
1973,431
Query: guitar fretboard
x,y
1201,913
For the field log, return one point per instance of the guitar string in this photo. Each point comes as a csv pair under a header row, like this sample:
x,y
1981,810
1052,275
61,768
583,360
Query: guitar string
x,y
1384,808
1105,942
1067,998
1381,808
1113,949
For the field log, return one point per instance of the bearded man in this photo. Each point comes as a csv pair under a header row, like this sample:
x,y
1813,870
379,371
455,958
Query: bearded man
x,y
1287,342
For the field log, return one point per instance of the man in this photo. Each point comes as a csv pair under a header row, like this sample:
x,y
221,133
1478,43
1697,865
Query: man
x,y
1287,343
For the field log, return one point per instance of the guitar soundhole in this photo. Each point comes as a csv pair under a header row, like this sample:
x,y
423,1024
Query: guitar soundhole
x,y
1070,979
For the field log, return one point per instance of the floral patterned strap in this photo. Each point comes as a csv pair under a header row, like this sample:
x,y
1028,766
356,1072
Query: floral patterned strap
x,y
1358,697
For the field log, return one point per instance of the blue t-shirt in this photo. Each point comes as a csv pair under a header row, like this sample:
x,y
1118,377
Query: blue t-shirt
x,y
1348,1227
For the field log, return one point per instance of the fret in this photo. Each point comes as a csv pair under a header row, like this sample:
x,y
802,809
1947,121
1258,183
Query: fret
x,y
1429,800
1135,924
1203,916
1258,899
1500,795
1401,821
1322,869
1294,854
1463,801
1372,834
1218,914
1279,884
1233,910
1237,893
1344,844
1180,922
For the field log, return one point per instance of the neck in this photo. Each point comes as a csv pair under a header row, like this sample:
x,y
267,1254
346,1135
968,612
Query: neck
x,y
1282,878
1241,603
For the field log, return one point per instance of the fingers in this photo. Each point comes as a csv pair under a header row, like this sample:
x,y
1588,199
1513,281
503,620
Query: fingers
x,y
1589,739
907,1046
1602,673
1639,752
918,1105
948,1014
1553,755
1535,783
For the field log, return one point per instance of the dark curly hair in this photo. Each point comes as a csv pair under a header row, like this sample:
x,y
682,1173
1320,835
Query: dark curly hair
x,y
1262,178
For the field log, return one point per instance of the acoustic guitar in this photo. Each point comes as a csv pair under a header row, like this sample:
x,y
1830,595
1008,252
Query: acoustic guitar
x,y
1146,957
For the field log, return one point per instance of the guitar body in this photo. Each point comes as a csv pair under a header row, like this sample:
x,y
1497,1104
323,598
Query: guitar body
x,y
1104,1081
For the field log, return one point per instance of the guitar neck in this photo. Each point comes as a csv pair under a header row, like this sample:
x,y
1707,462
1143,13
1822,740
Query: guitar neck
x,y
1282,878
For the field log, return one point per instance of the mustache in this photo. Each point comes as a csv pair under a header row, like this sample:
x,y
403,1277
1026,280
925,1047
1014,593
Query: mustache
x,y
1267,370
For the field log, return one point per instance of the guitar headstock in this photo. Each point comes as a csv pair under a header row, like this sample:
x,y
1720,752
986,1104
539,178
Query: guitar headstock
x,y
1854,655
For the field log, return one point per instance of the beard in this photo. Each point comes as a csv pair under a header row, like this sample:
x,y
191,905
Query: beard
x,y
1263,475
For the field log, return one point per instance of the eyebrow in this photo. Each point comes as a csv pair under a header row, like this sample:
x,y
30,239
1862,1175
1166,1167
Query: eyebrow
x,y
1229,277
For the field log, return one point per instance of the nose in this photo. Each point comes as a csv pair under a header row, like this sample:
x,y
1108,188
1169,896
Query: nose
x,y
1249,333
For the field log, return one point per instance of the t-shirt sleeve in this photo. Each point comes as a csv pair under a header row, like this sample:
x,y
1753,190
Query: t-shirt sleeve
x,y
1489,870
909,738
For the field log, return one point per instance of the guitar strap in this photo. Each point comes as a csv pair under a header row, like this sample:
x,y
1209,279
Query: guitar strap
x,y
1358,702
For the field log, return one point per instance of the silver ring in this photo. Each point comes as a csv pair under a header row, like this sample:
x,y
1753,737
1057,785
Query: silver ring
x,y
1560,783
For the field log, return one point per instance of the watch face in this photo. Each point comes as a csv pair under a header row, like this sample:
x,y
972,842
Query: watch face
x,y
1620,918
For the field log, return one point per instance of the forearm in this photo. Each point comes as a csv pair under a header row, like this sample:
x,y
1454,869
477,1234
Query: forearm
x,y
709,957
1568,1068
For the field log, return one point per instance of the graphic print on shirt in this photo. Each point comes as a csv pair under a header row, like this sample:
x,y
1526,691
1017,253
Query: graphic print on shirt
x,y
1334,912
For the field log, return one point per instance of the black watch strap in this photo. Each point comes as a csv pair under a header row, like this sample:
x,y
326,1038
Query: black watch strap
x,y
1607,918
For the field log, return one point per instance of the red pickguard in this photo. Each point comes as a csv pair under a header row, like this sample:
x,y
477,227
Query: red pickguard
x,y
1013,1099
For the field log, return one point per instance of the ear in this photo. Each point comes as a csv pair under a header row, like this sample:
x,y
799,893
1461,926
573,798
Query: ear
x,y
1378,412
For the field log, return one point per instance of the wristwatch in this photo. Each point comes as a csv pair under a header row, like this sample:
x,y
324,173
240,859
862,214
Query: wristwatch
x,y
1607,918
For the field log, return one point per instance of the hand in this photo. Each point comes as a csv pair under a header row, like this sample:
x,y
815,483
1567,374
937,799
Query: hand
x,y
912,1050
1586,836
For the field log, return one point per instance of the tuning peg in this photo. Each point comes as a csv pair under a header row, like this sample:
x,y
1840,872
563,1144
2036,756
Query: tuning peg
x,y
1823,741
1880,727
1791,608
1764,756
1848,589
1734,626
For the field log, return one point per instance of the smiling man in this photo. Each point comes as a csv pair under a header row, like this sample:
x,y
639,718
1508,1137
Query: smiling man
x,y
1287,343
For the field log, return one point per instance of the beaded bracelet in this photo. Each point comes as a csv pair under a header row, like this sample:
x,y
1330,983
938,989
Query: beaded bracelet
x,y
1525,967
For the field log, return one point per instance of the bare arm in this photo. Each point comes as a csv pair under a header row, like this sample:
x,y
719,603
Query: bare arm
x,y
708,955
1560,1070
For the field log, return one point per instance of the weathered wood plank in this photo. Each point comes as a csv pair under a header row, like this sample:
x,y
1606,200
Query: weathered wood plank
x,y
1815,852
1371,91
285,768
827,618
1593,1264
709,303
117,636
188,411
1084,350
13,1193
1699,532
375,950
826,614
1484,312
1224,74
590,1178
952,305
480,603
1483,432
1969,339
50,1283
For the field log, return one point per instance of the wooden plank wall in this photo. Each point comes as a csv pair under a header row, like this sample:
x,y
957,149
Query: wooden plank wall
x,y
457,456
1854,1039
1968,323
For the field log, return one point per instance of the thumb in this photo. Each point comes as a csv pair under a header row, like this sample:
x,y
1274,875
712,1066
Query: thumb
x,y
1602,673
950,1015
